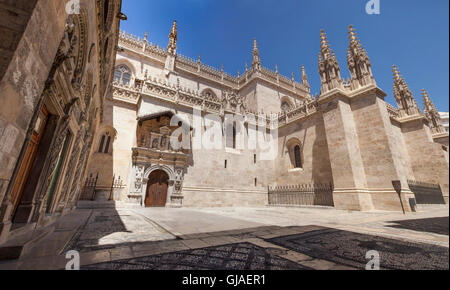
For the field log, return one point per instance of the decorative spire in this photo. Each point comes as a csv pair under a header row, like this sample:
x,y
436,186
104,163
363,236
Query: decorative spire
x,y
146,35
305,81
199,58
329,70
256,61
432,114
292,76
358,62
173,38
276,68
324,45
403,96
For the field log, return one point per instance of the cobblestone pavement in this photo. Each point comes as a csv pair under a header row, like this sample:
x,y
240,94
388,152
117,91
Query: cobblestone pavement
x,y
240,238
349,248
239,256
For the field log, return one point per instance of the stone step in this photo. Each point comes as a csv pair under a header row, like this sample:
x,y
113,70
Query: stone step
x,y
13,249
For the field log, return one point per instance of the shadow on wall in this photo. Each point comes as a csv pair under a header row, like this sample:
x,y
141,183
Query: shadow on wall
x,y
13,29
102,160
321,165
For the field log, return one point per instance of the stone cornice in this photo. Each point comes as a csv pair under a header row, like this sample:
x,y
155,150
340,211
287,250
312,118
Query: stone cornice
x,y
332,94
440,135
352,94
367,90
410,118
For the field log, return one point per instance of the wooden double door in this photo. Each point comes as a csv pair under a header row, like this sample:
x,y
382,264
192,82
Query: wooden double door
x,y
22,193
156,195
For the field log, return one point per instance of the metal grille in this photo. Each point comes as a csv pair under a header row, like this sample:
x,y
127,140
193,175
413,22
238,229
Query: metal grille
x,y
426,193
89,188
302,194
117,183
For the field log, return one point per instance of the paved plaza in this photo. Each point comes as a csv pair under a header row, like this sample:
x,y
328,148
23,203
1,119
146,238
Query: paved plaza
x,y
265,238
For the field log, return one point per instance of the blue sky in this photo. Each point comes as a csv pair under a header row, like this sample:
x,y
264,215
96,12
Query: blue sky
x,y
413,34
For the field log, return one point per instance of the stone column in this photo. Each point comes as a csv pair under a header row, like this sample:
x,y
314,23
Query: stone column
x,y
350,185
382,151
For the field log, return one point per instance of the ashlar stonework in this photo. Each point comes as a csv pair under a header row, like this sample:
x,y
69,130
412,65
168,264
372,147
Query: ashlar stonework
x,y
347,136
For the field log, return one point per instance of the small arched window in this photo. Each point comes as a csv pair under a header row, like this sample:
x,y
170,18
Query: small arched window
x,y
122,75
105,144
294,149
297,157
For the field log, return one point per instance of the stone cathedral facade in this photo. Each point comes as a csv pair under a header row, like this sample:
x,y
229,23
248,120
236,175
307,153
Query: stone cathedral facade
x,y
56,67
370,153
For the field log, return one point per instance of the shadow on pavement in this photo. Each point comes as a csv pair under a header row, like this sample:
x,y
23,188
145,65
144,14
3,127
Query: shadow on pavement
x,y
437,225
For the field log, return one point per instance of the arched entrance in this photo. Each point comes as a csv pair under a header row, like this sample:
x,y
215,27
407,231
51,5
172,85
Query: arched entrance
x,y
158,183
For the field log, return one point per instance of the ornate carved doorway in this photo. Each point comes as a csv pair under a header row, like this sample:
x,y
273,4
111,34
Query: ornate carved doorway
x,y
31,167
156,195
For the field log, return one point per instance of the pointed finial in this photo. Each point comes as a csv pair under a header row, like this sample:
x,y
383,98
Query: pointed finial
x,y
174,29
199,58
276,68
173,38
305,81
222,67
425,96
351,33
256,61
323,39
146,35
396,72
293,77
325,49
246,67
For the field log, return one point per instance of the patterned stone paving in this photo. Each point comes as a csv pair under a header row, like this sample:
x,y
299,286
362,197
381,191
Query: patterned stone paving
x,y
349,248
437,225
239,256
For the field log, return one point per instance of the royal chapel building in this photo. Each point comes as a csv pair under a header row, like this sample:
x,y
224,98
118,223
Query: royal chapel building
x,y
92,114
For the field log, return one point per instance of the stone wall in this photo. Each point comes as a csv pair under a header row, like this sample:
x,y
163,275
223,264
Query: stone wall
x,y
348,135
316,167
430,161
381,155
25,73
61,66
